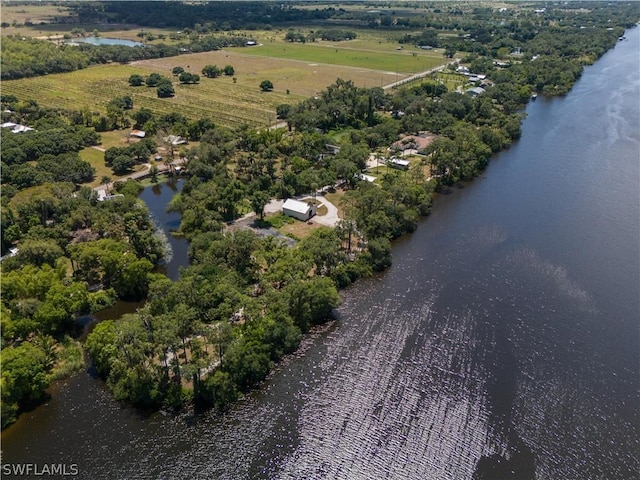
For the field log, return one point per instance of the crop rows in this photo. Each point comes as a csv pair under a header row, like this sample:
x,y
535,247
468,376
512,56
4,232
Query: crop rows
x,y
227,104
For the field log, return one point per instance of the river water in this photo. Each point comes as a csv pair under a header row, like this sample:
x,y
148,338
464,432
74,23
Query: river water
x,y
502,343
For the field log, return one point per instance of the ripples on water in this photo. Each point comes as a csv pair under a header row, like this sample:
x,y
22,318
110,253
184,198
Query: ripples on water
x,y
499,365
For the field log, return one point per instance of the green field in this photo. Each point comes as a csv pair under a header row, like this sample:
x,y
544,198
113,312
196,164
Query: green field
x,y
220,99
297,71
226,102
401,62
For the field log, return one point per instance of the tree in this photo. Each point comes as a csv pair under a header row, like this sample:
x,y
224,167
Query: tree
x,y
39,252
380,252
186,77
153,80
122,164
312,301
136,80
266,85
142,116
449,51
23,380
324,246
282,111
177,70
165,90
228,70
258,201
211,71
154,174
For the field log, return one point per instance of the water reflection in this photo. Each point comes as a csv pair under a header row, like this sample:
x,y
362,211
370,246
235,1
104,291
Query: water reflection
x,y
157,197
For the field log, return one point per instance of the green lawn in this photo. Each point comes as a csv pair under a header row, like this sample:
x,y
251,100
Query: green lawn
x,y
401,62
96,160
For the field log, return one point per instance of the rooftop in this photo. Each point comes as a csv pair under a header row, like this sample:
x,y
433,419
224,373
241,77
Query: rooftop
x,y
296,206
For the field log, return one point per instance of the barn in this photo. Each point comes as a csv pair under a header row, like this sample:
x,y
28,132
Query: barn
x,y
300,210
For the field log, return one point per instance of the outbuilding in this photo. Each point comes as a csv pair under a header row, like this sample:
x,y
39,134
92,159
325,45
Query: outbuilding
x,y
138,133
398,163
300,210
474,92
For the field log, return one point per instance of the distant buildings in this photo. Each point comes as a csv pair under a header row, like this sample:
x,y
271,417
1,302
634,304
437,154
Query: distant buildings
x,y
475,91
138,133
398,163
366,178
175,140
16,127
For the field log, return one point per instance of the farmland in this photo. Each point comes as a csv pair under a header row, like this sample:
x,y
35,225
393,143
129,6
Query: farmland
x,y
296,70
326,53
228,102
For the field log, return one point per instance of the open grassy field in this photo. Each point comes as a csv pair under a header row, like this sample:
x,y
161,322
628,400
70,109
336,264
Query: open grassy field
x,y
96,160
13,13
332,54
297,71
220,99
227,102
453,81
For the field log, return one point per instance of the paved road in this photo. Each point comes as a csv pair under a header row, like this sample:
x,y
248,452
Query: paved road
x,y
416,76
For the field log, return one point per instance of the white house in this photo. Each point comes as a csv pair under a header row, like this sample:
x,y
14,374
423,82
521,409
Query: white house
x,y
366,178
104,197
300,210
16,127
138,133
175,140
398,163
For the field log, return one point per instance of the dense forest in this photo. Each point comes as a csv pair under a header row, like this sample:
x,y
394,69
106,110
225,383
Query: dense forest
x,y
246,300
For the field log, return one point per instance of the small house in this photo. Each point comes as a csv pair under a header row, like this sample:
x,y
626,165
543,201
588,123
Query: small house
x,y
21,129
398,163
334,149
138,133
414,143
365,178
104,197
474,92
175,140
300,210
16,127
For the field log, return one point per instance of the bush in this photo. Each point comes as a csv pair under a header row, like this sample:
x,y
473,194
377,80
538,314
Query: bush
x,y
165,90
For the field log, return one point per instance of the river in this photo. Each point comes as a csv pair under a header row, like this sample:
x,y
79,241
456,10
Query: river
x,y
502,343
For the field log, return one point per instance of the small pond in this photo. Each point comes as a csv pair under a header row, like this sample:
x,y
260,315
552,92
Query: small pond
x,y
106,41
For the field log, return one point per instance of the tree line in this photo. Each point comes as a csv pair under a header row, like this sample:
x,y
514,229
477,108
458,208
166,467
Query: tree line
x,y
28,57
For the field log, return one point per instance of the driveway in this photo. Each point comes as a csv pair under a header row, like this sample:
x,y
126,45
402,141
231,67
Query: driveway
x,y
330,219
